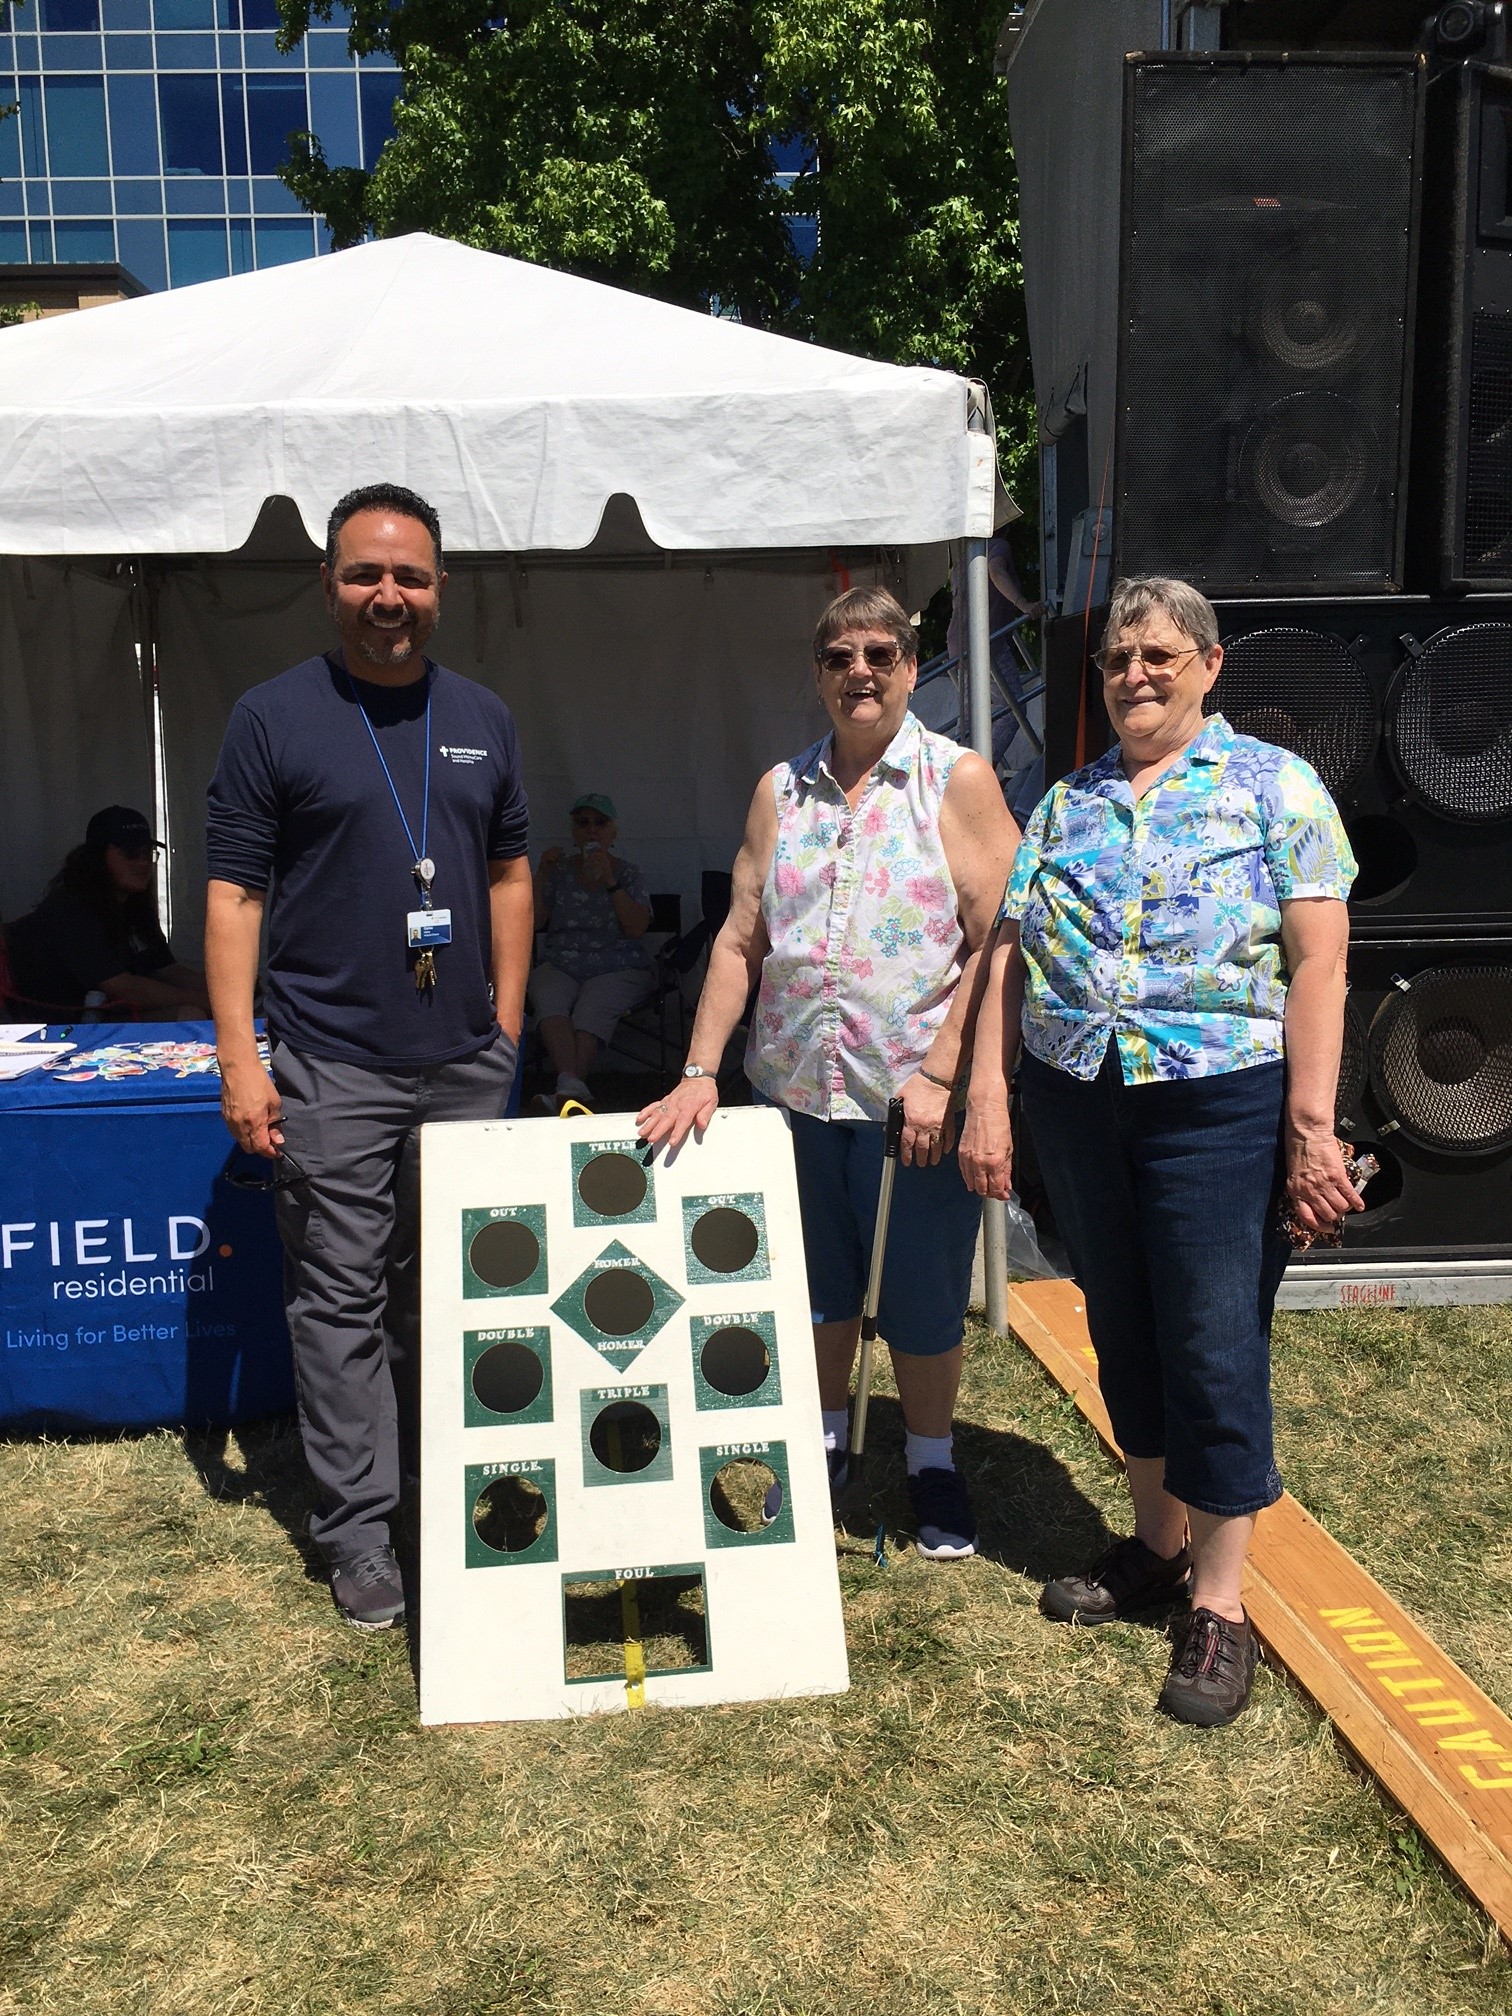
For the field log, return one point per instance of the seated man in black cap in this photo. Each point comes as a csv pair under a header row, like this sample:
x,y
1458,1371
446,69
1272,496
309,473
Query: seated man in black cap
x,y
96,932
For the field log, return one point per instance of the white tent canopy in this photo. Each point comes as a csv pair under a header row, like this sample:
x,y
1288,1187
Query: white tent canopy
x,y
643,507
515,398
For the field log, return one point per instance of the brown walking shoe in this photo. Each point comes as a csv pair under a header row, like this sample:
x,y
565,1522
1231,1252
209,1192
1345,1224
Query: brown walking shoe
x,y
1212,1670
1127,1578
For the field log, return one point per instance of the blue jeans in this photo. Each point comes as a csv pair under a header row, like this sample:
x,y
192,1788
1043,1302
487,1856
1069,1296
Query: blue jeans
x,y
1166,1198
931,1238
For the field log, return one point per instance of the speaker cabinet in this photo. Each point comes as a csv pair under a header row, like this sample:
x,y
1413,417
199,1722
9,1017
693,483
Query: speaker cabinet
x,y
1426,1087
1405,710
1269,253
1461,505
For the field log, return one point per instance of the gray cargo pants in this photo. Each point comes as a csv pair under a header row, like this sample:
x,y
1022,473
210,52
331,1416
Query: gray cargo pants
x,y
351,1239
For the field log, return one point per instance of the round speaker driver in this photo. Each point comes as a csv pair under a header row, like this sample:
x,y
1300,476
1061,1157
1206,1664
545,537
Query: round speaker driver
x,y
1304,690
1307,461
1449,720
1441,1058
1312,319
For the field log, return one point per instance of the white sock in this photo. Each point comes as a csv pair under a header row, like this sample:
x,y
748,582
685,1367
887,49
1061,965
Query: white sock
x,y
927,1452
836,1427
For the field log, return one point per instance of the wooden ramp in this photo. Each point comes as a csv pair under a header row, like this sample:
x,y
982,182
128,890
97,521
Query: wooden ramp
x,y
1439,1746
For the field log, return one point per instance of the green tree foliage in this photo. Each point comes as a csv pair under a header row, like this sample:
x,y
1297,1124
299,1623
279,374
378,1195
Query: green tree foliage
x,y
630,141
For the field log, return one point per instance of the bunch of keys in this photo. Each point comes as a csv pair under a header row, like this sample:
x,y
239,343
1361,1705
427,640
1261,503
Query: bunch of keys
x,y
1359,1169
427,928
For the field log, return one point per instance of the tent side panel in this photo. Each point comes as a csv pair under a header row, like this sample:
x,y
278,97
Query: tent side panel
x,y
220,631
73,728
672,689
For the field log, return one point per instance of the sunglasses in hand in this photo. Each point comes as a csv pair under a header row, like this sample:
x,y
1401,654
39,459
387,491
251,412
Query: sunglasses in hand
x,y
284,1174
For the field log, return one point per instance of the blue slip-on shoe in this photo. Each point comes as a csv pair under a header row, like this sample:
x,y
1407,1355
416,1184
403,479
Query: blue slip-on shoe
x,y
837,1462
946,1524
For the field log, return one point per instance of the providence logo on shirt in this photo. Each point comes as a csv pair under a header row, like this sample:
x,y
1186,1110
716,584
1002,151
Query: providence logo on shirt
x,y
454,752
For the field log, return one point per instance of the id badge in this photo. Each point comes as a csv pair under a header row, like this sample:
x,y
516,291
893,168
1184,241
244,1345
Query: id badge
x,y
429,927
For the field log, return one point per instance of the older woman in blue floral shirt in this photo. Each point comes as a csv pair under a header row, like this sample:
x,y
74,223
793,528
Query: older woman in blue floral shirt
x,y
1172,952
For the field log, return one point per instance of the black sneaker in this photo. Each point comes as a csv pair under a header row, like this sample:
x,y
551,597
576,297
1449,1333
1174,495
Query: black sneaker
x,y
1212,1670
1128,1578
943,1517
368,1589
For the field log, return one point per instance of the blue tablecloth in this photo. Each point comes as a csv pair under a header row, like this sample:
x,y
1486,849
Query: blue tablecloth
x,y
137,1286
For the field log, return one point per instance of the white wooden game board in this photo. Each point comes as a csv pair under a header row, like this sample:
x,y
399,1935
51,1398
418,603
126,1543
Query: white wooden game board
x,y
617,1364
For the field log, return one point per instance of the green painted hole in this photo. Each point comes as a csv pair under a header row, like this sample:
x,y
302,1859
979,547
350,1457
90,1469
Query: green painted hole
x,y
510,1515
504,1253
625,1437
738,1491
507,1377
725,1240
735,1361
619,1302
612,1185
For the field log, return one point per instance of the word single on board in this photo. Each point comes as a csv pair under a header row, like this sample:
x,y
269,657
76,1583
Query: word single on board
x,y
624,1498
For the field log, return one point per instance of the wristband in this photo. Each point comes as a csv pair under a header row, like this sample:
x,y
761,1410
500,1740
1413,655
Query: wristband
x,y
945,1084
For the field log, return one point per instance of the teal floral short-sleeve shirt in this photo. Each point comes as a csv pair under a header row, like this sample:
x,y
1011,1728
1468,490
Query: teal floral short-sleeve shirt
x,y
1159,922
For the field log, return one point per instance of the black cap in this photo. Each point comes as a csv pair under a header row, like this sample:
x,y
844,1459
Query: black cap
x,y
118,826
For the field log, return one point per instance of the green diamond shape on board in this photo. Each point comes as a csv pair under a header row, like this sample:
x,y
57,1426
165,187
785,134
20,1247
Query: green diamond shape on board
x,y
617,1304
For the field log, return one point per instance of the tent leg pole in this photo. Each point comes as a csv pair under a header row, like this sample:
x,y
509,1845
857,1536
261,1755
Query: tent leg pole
x,y
979,660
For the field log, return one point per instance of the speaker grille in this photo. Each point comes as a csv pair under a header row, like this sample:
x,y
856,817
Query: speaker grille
x,y
1441,1058
1303,690
1266,276
1353,1067
1451,722
1488,498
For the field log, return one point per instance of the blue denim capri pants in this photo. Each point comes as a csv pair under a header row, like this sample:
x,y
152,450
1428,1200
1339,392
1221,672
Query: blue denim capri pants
x,y
1166,1197
932,1234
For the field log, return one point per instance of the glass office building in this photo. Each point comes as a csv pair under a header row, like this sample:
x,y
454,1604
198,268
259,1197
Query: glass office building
x,y
151,132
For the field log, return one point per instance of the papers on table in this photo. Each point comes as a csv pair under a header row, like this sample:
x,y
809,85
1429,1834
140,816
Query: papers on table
x,y
17,1032
16,1059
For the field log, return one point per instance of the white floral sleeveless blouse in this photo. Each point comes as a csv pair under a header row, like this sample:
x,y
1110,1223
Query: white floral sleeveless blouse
x,y
866,941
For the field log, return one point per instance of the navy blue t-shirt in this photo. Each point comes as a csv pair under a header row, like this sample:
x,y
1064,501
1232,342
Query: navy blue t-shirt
x,y
299,803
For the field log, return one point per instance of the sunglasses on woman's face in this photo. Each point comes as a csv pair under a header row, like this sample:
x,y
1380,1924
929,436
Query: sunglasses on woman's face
x,y
1117,659
589,819
879,657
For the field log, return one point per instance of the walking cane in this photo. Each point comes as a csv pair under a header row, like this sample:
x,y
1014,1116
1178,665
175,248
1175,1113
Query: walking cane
x,y
892,1142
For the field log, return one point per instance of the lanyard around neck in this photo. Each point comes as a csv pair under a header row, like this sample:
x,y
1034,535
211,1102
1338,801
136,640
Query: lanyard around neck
x,y
418,852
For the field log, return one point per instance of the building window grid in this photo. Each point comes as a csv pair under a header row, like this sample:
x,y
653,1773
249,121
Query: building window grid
x,y
234,225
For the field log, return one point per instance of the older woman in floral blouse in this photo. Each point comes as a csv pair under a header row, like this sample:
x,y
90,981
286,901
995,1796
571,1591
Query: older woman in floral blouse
x,y
1173,949
870,874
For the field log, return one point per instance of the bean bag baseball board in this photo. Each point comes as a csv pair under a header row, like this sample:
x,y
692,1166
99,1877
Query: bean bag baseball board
x,y
625,1498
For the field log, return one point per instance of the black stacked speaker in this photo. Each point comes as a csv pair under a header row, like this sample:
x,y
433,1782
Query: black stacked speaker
x,y
1270,219
1461,494
1404,708
1314,425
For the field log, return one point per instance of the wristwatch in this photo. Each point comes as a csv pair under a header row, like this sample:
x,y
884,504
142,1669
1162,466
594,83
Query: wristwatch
x,y
696,1071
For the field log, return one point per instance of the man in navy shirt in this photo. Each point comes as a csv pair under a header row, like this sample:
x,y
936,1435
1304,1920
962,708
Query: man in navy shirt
x,y
370,802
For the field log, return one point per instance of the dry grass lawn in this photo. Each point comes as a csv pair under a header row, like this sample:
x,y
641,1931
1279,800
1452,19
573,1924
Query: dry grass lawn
x,y
216,1797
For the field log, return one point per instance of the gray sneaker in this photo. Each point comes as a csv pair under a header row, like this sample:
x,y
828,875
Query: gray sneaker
x,y
368,1589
